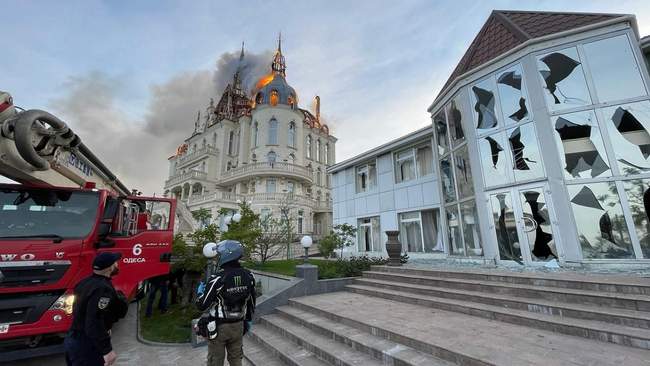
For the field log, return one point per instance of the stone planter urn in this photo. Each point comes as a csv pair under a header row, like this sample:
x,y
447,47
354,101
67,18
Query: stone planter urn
x,y
394,248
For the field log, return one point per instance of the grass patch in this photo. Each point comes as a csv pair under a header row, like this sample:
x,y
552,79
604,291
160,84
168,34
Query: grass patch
x,y
326,268
172,327
282,267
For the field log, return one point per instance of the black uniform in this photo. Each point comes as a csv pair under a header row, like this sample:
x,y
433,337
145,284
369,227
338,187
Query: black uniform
x,y
229,296
97,307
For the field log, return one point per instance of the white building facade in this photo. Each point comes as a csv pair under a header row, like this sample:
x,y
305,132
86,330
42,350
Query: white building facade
x,y
261,149
541,146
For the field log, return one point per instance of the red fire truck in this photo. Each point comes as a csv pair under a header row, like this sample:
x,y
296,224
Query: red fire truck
x,y
67,208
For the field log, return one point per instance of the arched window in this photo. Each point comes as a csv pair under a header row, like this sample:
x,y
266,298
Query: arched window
x,y
203,144
203,166
271,157
194,148
275,97
292,158
255,133
228,166
214,139
327,154
231,143
308,146
273,132
259,98
318,150
291,141
319,175
291,100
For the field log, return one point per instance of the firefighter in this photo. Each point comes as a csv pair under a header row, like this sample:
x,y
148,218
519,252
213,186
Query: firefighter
x,y
228,298
97,307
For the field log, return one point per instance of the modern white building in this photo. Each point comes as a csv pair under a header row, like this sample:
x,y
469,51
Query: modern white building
x,y
258,147
392,187
542,147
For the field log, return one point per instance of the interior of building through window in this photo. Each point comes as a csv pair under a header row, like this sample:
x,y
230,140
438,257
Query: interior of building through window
x,y
581,145
512,96
563,79
628,127
471,231
638,197
524,146
405,165
505,227
493,159
453,231
463,173
447,180
540,236
424,158
440,124
602,230
455,120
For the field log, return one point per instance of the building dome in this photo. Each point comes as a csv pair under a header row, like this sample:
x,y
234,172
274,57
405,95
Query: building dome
x,y
273,89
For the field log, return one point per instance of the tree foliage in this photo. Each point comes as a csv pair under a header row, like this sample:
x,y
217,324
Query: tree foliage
x,y
247,231
345,234
269,243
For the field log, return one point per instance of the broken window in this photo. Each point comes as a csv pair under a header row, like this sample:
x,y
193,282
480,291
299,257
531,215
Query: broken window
x,y
447,180
455,119
404,166
453,231
563,79
581,145
440,125
614,69
602,230
505,226
628,127
424,160
471,231
366,177
493,159
638,197
537,225
527,160
463,173
484,105
512,96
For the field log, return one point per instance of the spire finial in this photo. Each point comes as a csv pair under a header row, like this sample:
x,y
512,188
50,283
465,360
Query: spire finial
x,y
241,55
278,64
280,42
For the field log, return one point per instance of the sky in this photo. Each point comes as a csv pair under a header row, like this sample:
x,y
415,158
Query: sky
x,y
130,76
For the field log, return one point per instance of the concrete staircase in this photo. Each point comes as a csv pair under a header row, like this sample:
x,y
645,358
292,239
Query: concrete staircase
x,y
395,316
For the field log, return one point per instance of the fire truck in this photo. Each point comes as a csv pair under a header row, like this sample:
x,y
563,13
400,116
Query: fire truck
x,y
67,207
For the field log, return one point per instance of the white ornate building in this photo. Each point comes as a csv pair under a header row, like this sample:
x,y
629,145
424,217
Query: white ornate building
x,y
262,149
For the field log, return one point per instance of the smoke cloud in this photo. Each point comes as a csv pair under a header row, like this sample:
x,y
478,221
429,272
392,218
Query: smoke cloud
x,y
137,150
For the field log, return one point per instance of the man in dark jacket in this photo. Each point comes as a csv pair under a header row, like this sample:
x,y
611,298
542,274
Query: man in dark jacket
x,y
96,308
229,300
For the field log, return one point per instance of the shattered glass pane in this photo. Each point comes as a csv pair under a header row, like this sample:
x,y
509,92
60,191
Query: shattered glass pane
x,y
441,133
453,231
628,127
538,225
527,160
512,95
463,173
563,79
447,180
614,69
638,196
505,226
455,119
493,159
581,145
602,230
471,231
484,101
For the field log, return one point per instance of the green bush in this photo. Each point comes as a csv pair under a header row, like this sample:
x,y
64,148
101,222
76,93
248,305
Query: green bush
x,y
327,245
352,267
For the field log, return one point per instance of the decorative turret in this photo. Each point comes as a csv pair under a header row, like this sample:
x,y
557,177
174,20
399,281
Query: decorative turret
x,y
278,65
237,89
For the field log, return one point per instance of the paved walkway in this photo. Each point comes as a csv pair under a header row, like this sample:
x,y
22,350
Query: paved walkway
x,y
132,352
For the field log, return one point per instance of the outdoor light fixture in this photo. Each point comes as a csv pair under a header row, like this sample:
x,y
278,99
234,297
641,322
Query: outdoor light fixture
x,y
236,217
306,242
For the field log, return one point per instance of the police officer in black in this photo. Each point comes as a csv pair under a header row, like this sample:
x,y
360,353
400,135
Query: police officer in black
x,y
97,306
228,298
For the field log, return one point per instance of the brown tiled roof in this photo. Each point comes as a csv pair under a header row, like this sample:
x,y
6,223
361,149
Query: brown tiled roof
x,y
505,30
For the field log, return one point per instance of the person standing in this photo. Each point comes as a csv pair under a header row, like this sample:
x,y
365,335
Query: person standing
x,y
96,308
229,299
158,283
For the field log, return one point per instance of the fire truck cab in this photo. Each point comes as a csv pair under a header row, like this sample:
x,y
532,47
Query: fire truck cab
x,y
68,208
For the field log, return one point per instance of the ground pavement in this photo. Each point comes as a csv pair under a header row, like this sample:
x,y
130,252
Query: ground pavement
x,y
132,352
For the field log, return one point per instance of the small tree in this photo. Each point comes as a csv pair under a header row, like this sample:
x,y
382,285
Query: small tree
x,y
345,235
328,244
269,243
246,231
203,216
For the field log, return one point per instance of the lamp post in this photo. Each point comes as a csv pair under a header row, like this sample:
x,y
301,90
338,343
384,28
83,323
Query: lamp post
x,y
306,243
235,217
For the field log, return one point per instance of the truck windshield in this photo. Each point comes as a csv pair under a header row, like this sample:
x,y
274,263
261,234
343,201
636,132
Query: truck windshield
x,y
46,213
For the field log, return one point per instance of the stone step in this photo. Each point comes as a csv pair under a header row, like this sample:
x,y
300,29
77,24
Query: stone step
x,y
325,348
463,339
257,355
623,301
384,351
630,318
284,350
591,282
596,330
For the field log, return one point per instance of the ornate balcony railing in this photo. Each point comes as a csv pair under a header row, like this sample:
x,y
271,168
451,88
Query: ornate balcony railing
x,y
187,158
216,196
280,168
270,198
179,178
